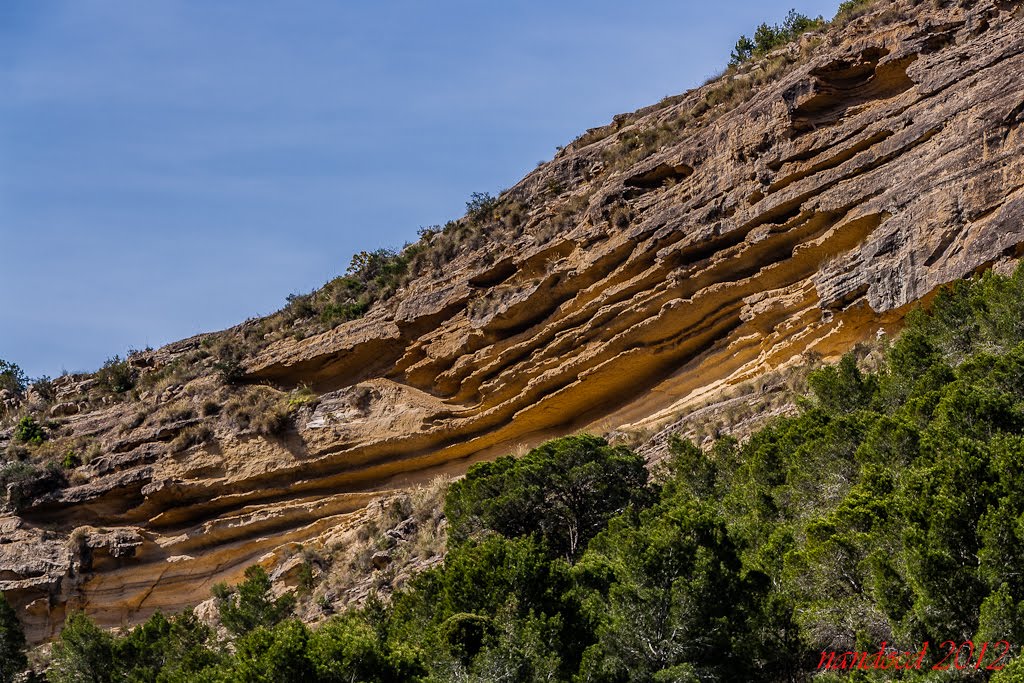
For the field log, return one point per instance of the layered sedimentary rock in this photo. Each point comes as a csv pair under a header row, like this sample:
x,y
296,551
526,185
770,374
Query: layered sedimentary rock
x,y
680,250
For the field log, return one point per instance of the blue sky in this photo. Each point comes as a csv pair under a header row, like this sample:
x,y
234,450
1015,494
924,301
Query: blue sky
x,y
169,166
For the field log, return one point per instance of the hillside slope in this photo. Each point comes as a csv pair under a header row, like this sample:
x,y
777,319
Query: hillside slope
x,y
799,204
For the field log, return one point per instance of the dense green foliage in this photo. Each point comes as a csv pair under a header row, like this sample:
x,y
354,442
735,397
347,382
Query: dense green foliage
x,y
889,510
564,491
167,650
12,643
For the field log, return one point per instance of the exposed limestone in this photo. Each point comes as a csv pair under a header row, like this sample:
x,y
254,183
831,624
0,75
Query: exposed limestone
x,y
802,219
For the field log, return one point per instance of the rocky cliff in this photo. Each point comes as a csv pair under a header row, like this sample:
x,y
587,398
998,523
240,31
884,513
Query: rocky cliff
x,y
797,205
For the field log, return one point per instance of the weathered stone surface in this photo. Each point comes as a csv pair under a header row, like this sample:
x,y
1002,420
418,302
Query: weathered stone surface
x,y
803,218
380,559
65,409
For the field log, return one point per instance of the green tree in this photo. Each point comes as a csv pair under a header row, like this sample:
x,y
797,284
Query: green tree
x,y
842,388
189,650
455,612
144,652
767,38
743,51
251,604
271,654
12,378
12,643
84,653
564,490
668,593
518,649
348,648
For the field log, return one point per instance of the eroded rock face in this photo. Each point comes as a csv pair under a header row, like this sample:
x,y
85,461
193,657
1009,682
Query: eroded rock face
x,y
804,218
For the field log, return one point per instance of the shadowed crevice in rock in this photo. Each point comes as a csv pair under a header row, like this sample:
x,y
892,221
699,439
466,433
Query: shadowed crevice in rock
x,y
843,84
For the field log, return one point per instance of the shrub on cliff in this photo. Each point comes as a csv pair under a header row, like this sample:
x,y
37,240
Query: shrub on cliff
x,y
259,409
229,364
20,481
481,206
29,431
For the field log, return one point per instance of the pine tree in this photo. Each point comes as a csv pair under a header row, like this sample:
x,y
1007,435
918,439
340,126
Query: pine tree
x,y
12,643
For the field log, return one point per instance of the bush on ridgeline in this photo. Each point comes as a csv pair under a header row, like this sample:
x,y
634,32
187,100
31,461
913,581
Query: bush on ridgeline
x,y
117,375
12,378
371,276
768,37
852,8
481,206
43,387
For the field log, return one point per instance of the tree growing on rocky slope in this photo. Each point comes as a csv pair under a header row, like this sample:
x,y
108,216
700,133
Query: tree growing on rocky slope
x,y
251,605
565,491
